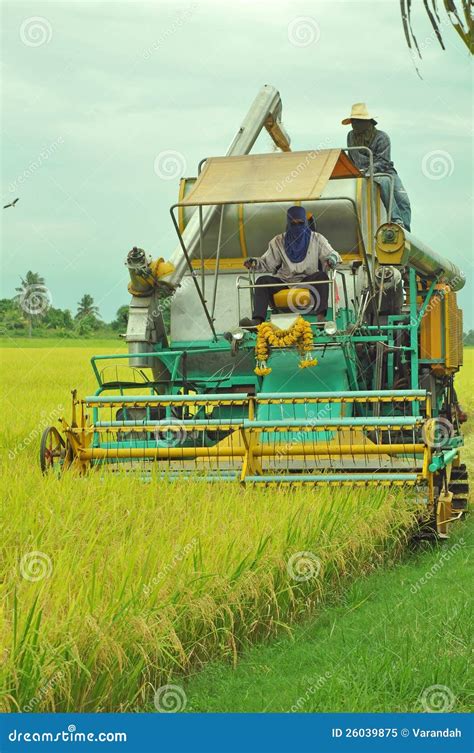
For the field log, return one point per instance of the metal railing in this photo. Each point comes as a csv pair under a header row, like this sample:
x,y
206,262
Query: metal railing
x,y
253,285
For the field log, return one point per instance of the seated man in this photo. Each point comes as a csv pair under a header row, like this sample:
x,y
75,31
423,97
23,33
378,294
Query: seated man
x,y
297,256
364,133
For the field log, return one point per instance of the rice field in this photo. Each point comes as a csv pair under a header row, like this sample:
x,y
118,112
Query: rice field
x,y
112,586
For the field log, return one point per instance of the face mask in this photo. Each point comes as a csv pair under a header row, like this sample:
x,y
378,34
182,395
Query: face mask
x,y
361,125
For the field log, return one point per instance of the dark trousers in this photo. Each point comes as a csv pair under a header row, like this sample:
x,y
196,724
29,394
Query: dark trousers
x,y
263,297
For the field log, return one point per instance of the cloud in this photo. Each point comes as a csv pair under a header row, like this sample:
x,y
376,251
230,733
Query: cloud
x,y
122,81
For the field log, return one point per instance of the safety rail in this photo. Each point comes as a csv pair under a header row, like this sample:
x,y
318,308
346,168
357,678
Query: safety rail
x,y
353,395
232,397
306,285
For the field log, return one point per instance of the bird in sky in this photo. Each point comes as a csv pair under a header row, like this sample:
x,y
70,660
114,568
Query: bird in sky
x,y
12,204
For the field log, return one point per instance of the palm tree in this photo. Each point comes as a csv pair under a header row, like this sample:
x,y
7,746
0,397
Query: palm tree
x,y
32,297
31,278
121,319
459,18
86,307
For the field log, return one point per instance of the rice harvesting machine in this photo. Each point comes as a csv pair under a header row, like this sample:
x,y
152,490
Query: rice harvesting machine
x,y
365,397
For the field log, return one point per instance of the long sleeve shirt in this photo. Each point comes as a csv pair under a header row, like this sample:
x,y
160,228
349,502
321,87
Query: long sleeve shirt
x,y
275,261
380,146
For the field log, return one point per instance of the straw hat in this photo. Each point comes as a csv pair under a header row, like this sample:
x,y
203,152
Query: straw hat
x,y
359,112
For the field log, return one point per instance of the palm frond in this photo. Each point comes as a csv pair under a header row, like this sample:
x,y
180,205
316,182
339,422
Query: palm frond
x,y
463,26
405,6
433,21
465,30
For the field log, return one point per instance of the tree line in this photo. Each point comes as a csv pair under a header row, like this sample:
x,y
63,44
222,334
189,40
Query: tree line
x,y
30,313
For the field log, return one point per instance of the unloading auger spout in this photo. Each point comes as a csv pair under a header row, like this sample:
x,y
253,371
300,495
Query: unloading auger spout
x,y
265,112
146,327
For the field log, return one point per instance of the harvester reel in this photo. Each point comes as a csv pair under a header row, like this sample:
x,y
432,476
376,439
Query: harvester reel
x,y
53,451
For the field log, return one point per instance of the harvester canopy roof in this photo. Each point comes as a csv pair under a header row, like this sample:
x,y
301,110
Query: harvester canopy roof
x,y
262,178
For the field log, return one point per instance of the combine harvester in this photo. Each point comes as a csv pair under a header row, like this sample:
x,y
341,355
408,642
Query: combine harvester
x,y
375,402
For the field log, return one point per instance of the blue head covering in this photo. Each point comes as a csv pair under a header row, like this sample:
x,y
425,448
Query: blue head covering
x,y
297,237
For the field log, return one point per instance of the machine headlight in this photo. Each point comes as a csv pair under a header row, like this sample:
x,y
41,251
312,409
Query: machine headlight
x,y
330,328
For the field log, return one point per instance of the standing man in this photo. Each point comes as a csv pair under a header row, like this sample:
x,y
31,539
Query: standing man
x,y
364,133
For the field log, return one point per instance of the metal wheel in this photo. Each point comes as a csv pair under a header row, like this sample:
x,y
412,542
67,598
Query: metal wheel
x,y
52,450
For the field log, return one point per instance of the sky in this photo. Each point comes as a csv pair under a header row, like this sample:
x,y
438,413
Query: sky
x,y
94,92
